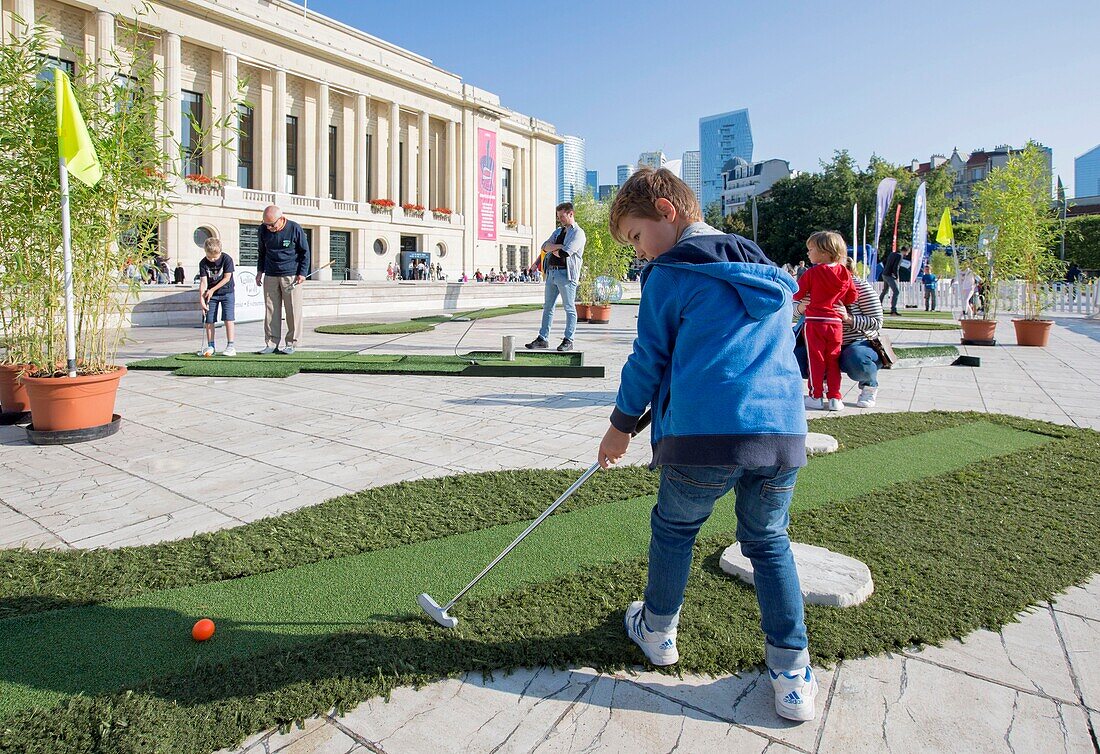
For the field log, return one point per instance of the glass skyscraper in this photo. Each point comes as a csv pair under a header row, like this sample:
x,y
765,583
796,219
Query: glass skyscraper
x,y
689,171
593,181
624,172
721,138
571,172
1086,173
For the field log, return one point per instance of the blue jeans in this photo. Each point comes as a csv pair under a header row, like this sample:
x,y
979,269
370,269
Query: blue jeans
x,y
857,360
557,282
684,503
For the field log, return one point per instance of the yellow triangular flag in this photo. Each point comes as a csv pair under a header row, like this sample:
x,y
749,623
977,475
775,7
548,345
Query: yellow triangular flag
x,y
73,142
945,236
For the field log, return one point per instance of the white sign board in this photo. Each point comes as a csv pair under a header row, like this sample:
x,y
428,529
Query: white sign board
x,y
249,296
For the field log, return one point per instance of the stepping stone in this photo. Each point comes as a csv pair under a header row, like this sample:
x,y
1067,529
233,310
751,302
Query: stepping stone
x,y
819,444
826,577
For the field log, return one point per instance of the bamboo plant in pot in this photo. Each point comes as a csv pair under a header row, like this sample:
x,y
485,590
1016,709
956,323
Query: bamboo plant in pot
x,y
1016,200
603,256
110,221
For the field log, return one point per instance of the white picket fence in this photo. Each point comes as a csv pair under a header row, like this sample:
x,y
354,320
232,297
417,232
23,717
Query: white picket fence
x,y
1058,298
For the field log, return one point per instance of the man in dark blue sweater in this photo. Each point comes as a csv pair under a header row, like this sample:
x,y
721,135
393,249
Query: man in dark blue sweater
x,y
282,267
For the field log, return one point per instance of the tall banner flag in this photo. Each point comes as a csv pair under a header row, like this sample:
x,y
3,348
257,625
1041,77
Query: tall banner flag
x,y
754,220
486,185
945,235
1062,205
920,229
76,155
855,231
897,221
882,204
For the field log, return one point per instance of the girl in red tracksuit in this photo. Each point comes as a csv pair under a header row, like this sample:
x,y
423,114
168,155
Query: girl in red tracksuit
x,y
820,289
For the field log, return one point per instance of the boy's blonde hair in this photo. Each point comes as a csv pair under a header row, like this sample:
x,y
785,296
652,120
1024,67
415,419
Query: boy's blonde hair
x,y
638,198
211,245
830,243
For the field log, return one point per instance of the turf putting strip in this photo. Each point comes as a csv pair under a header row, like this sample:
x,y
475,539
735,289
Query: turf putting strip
x,y
101,648
895,323
422,324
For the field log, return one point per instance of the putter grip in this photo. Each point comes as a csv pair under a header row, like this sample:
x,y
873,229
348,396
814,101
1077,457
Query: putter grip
x,y
643,422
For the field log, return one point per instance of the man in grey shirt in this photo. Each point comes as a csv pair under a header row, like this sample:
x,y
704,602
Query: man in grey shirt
x,y
564,251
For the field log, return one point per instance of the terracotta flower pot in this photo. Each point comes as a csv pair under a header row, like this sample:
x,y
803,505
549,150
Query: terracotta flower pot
x,y
582,312
1032,332
599,314
13,396
68,403
978,329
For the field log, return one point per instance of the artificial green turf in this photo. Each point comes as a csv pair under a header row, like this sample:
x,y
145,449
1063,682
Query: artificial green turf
x,y
53,653
921,314
422,324
895,323
925,352
951,553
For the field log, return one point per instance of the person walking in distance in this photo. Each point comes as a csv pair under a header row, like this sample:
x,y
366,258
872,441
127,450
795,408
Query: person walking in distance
x,y
282,267
890,279
564,251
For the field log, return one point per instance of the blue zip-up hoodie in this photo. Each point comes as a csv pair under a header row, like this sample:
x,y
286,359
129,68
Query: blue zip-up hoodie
x,y
714,357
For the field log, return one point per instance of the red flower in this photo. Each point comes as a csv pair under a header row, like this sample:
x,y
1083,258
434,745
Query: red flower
x,y
382,203
412,207
442,211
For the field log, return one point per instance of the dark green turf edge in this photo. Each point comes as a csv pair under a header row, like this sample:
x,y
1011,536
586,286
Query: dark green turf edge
x,y
378,518
939,574
921,314
422,324
101,648
925,352
893,323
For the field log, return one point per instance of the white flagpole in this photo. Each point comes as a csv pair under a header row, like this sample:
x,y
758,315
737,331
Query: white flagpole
x,y
70,327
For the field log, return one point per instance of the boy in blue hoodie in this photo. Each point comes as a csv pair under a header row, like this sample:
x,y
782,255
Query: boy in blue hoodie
x,y
714,358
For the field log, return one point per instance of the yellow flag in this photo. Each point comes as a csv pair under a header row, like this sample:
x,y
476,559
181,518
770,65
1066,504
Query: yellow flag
x,y
945,235
73,142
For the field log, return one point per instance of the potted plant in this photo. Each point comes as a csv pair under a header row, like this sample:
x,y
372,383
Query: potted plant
x,y
112,220
413,210
381,206
1016,200
603,258
442,213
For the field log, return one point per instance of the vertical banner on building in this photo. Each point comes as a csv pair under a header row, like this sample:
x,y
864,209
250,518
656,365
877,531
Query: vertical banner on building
x,y
486,185
882,205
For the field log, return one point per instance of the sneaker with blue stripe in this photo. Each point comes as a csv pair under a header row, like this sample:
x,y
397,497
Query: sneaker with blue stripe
x,y
795,693
659,646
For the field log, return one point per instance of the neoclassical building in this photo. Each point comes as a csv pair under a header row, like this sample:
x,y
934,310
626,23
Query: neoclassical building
x,y
323,119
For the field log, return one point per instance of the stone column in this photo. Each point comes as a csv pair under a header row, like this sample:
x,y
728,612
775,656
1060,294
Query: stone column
x,y
360,193
452,167
25,10
422,181
322,140
278,120
172,112
104,43
232,118
395,154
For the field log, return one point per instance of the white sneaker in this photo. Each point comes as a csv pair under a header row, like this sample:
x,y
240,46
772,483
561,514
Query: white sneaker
x,y
287,351
205,351
867,397
835,404
268,350
229,351
815,404
659,647
795,694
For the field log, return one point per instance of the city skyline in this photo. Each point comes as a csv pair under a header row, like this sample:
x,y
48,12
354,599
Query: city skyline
x,y
838,79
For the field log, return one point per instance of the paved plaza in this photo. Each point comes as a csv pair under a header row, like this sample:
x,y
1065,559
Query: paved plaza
x,y
201,454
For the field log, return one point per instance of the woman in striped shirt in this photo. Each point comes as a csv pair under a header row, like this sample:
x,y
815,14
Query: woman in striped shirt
x,y
862,320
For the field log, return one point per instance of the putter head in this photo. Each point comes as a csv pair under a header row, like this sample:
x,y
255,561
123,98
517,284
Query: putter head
x,y
438,614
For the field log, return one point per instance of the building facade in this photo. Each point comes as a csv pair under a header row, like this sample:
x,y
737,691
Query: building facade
x,y
721,138
1086,173
571,173
690,172
655,160
622,173
607,191
593,181
971,169
744,180
321,119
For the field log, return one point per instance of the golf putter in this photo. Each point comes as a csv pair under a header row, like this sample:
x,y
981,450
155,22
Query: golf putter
x,y
307,277
439,614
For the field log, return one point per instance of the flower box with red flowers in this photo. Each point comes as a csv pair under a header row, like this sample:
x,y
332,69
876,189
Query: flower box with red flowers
x,y
442,213
381,205
416,210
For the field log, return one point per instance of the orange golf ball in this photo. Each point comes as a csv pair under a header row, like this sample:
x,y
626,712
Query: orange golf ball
x,y
202,630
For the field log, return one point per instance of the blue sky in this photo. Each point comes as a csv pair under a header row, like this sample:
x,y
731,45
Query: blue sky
x,y
902,80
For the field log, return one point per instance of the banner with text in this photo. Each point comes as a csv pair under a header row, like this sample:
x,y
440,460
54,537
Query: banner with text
x,y
486,185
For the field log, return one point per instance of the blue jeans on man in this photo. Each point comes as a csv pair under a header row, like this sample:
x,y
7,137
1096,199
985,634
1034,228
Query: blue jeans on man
x,y
763,498
857,360
558,283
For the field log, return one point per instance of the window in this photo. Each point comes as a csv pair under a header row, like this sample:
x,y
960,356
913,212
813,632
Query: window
x,y
506,195
50,62
291,154
511,258
441,249
524,257
249,246
201,235
401,173
245,140
333,145
191,132
380,246
126,88
370,167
